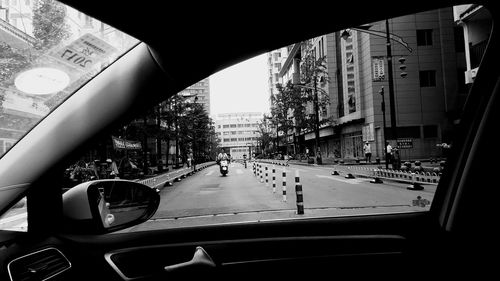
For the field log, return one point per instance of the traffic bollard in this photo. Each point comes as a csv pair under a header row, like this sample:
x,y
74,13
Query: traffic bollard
x,y
261,174
254,171
299,193
267,178
284,185
274,179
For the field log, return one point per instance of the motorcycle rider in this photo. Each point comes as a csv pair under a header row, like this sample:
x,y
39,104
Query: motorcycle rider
x,y
222,156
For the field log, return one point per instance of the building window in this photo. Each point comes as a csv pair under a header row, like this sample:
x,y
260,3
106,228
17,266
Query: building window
x,y
233,126
225,126
424,37
427,78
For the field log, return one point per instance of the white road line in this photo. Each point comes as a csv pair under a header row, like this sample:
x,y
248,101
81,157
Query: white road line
x,y
209,173
350,181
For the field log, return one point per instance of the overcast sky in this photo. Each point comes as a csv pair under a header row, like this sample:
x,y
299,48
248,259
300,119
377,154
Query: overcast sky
x,y
241,88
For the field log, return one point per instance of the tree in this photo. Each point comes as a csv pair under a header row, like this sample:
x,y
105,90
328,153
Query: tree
x,y
313,74
49,25
265,138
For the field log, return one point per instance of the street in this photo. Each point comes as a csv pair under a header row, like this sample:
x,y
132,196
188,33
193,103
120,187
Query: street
x,y
208,198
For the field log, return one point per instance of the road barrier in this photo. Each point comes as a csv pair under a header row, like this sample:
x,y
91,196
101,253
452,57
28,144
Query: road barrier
x,y
415,185
167,179
412,177
284,184
254,169
274,162
349,175
299,193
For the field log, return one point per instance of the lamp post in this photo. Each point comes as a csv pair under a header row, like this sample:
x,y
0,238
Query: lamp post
x,y
381,92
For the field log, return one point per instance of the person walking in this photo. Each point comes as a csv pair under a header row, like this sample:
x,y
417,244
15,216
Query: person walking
x,y
368,152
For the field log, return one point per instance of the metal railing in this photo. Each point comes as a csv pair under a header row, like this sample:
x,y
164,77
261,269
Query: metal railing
x,y
168,178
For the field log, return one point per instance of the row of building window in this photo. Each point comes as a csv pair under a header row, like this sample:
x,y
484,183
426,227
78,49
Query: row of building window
x,y
238,133
239,139
238,125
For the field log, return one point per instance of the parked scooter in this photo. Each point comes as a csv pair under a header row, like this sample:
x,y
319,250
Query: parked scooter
x,y
224,167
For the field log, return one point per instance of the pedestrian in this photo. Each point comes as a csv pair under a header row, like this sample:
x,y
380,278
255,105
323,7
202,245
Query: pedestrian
x,y
396,162
368,152
388,153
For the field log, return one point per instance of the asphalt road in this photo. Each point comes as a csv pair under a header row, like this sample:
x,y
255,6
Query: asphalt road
x,y
209,198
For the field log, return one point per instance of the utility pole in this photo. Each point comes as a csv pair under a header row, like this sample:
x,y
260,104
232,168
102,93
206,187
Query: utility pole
x,y
391,82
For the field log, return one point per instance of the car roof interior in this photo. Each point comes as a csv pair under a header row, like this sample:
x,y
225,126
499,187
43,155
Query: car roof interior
x,y
203,38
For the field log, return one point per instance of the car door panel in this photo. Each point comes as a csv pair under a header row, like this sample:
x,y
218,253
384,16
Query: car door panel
x,y
285,248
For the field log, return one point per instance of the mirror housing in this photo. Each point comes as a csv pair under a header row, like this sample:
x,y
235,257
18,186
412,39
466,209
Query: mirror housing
x,y
104,206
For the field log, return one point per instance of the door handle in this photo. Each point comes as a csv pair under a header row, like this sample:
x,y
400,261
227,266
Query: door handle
x,y
200,260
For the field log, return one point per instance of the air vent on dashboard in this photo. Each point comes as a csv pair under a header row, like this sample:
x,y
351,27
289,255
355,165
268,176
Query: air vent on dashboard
x,y
40,265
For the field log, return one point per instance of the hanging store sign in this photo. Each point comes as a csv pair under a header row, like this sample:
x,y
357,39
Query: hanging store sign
x,y
378,69
126,144
405,143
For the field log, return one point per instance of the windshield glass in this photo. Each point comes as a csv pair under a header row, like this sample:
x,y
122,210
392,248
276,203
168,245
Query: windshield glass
x,y
47,51
341,124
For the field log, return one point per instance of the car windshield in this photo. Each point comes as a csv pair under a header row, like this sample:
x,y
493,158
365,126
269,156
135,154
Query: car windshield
x,y
358,121
47,51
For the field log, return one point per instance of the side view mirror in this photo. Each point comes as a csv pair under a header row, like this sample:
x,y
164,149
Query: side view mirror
x,y
103,206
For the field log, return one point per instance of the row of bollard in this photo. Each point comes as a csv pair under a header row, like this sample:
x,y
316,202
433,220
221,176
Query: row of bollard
x,y
259,172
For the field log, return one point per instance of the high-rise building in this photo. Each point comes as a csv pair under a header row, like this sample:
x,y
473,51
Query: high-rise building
x,y
275,61
238,133
200,90
425,99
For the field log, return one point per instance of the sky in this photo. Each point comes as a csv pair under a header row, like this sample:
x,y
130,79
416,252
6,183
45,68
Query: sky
x,y
241,88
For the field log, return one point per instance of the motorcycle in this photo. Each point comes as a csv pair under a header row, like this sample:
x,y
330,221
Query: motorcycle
x,y
224,168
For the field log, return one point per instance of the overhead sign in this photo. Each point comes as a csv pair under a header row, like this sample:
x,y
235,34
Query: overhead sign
x,y
85,52
126,144
405,143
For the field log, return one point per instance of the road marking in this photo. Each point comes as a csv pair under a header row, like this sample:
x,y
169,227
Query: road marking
x,y
350,181
209,173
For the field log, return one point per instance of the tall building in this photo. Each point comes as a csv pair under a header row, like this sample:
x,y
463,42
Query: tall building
x,y
275,61
476,24
426,100
238,133
200,90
